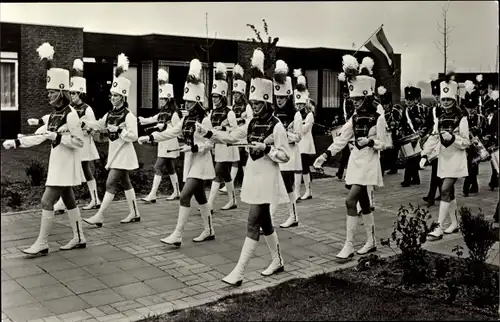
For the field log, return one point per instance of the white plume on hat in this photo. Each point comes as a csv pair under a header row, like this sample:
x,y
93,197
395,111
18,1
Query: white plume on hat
x,y
46,51
479,78
366,66
238,70
301,80
434,76
381,90
281,67
162,76
469,86
297,73
220,71
341,77
122,65
350,66
257,63
494,95
78,64
194,74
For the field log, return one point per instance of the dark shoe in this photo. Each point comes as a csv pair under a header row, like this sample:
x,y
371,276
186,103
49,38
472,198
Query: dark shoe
x,y
405,184
415,182
438,198
395,171
466,194
429,200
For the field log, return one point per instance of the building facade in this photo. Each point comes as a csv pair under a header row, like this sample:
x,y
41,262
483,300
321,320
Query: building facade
x,y
23,76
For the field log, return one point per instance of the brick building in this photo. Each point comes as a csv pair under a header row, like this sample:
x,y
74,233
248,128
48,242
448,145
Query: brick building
x,y
23,76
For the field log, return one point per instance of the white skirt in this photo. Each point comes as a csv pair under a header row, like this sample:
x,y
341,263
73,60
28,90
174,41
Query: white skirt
x,y
363,168
198,165
452,163
89,151
224,153
171,144
65,167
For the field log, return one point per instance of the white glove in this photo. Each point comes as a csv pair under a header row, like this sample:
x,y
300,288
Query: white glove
x,y
201,129
185,148
33,122
160,126
446,136
422,163
141,120
363,141
143,139
20,135
319,161
257,146
51,135
9,144
112,128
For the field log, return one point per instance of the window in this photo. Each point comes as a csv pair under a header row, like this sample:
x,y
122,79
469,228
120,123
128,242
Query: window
x,y
312,84
147,84
330,89
9,81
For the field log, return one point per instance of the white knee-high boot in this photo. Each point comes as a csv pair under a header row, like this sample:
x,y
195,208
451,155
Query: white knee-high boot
x,y
213,194
151,198
78,241
175,238
41,245
348,249
98,218
297,182
444,209
231,204
453,228
293,217
237,274
208,231
307,183
175,185
371,244
95,203
277,264
134,214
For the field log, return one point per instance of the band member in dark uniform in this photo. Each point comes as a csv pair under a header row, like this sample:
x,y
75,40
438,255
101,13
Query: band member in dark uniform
x,y
413,121
490,107
392,118
432,117
348,111
477,127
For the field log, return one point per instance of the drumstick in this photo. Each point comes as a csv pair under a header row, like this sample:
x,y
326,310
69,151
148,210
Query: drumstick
x,y
45,133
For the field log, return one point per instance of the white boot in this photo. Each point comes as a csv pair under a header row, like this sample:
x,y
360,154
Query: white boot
x,y
232,197
59,207
444,209
95,203
175,238
348,250
293,218
213,194
453,228
175,184
98,218
78,241
41,245
371,244
277,264
307,183
297,182
151,198
223,190
208,232
134,215
273,208
235,278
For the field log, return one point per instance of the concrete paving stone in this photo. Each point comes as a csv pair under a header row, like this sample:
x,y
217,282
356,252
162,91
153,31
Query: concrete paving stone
x,y
10,286
22,271
126,305
117,279
117,317
5,276
58,265
36,280
131,263
69,275
133,315
107,309
102,269
64,305
162,308
52,318
133,291
143,273
172,295
79,315
164,284
87,260
115,255
50,292
27,312
150,300
95,312
102,297
86,285
17,298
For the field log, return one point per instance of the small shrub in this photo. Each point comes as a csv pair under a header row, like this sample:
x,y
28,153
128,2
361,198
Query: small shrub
x,y
36,173
478,234
409,234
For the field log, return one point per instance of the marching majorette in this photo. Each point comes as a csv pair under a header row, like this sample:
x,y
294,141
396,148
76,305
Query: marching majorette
x,y
348,111
89,153
477,128
63,128
292,121
492,136
198,165
432,118
369,131
268,146
451,135
121,126
306,144
169,116
223,118
413,122
392,118
244,113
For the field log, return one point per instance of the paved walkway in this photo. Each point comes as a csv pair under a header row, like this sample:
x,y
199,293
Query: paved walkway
x,y
127,273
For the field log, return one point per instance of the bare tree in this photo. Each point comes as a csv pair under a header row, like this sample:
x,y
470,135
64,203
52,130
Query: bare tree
x,y
269,49
206,49
445,30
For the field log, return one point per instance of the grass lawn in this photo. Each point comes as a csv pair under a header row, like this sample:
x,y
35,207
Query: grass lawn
x,y
320,298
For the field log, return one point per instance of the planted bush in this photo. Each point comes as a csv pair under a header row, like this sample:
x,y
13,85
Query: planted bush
x,y
36,172
409,234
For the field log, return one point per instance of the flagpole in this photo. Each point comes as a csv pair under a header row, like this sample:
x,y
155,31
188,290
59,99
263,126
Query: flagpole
x,y
369,39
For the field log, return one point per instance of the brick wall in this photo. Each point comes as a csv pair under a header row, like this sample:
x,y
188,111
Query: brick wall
x,y
68,45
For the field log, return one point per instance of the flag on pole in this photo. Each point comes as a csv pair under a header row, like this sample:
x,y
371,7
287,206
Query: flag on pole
x,y
379,46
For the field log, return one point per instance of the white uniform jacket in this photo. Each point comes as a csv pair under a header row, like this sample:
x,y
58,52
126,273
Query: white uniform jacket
x,y
164,146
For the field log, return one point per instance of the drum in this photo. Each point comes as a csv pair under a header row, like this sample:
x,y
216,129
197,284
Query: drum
x,y
408,149
482,153
494,158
